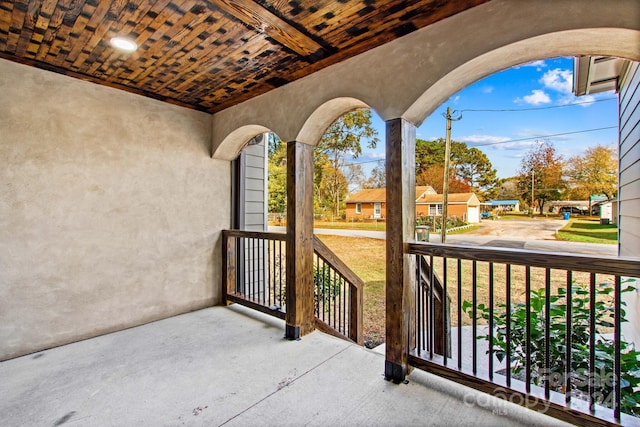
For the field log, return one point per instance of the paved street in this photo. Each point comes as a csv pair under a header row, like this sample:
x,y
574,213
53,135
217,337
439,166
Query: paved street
x,y
536,234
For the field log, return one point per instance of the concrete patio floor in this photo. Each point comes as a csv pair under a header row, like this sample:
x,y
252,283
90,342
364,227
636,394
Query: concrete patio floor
x,y
231,366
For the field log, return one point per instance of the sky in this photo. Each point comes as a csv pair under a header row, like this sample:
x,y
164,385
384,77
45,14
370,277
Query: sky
x,y
541,94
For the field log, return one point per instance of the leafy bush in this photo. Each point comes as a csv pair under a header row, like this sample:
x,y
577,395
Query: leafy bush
x,y
429,222
602,376
326,286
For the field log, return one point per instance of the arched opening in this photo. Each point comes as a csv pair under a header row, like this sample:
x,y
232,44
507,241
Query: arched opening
x,y
593,42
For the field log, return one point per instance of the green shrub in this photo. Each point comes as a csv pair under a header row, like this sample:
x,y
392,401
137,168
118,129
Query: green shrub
x,y
429,222
602,376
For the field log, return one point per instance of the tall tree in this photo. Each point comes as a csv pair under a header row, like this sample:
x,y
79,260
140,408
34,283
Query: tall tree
x,y
342,139
433,176
469,165
543,168
595,172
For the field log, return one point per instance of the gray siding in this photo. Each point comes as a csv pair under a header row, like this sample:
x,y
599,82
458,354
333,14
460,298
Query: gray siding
x,y
255,219
629,194
255,188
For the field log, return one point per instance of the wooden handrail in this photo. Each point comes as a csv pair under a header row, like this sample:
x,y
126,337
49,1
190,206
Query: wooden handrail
x,y
254,234
332,259
356,288
621,266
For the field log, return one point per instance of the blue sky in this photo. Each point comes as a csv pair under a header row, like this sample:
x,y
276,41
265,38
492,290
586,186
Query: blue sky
x,y
503,135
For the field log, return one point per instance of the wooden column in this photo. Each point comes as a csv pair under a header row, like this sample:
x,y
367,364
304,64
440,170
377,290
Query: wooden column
x,y
400,289
299,244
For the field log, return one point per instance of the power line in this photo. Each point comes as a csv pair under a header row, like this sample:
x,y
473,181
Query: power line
x,y
515,110
546,136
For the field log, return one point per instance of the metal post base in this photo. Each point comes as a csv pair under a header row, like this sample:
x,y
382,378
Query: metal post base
x,y
394,372
292,332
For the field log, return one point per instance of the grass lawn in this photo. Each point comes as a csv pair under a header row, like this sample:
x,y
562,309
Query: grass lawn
x,y
367,258
344,225
588,231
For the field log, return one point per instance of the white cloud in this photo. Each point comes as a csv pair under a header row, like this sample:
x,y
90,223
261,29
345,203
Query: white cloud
x,y
539,64
584,100
482,139
558,80
537,97
487,89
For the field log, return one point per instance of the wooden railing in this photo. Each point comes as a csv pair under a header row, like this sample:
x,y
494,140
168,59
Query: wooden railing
x,y
338,295
518,316
254,275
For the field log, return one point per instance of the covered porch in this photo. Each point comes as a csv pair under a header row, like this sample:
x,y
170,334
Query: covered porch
x,y
232,366
116,211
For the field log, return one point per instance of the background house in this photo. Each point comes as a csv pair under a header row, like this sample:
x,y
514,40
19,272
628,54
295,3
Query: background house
x,y
504,205
371,204
460,205
367,204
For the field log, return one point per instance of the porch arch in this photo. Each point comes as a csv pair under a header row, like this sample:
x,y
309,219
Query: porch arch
x,y
234,142
323,116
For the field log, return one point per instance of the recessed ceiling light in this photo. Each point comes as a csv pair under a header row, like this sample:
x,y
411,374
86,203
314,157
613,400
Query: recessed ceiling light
x,y
124,43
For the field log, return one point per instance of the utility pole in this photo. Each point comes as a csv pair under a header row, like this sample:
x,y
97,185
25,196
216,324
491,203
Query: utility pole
x,y
533,183
445,183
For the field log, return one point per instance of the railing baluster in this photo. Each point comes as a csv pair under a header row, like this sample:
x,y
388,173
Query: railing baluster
x,y
253,269
547,332
617,320
569,323
432,331
280,267
419,327
474,320
491,278
592,341
445,310
318,282
459,314
527,283
508,320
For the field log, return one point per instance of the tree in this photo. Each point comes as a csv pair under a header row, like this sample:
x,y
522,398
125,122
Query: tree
x,y
595,172
332,189
341,139
468,165
277,180
508,189
378,178
434,175
543,168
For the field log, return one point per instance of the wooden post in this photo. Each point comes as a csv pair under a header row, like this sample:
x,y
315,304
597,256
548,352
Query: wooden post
x,y
229,266
400,290
299,244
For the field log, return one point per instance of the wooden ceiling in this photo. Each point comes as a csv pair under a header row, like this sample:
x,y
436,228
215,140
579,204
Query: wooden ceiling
x,y
207,55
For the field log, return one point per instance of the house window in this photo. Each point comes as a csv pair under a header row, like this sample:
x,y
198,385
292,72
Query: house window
x,y
377,209
435,210
358,208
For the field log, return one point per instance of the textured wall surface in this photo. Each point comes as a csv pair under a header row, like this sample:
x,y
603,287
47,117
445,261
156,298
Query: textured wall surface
x,y
110,210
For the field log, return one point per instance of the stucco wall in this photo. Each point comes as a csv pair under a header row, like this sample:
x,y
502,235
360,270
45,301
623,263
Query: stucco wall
x,y
110,211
